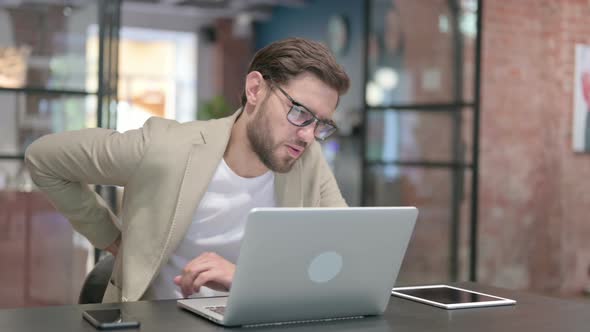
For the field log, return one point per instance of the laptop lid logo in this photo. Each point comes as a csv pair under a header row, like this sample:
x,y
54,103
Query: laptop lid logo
x,y
325,267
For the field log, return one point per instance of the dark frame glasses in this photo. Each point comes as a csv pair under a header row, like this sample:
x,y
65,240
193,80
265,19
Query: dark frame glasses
x,y
299,116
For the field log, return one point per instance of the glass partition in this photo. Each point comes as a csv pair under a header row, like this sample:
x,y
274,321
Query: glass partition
x,y
49,82
420,132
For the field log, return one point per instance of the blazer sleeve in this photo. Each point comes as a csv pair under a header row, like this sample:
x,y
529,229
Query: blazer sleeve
x,y
63,166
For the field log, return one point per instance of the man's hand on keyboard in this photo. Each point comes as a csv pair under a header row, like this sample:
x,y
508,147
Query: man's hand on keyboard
x,y
210,270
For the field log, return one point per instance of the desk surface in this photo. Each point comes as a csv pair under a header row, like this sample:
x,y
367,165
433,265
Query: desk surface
x,y
531,313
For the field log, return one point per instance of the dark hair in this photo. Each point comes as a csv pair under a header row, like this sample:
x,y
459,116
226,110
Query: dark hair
x,y
283,60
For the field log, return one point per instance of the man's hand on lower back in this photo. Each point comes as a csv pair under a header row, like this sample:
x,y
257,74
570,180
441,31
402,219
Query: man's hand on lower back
x,y
113,248
210,270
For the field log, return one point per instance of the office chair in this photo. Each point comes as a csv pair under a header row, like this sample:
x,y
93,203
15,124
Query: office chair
x,y
96,281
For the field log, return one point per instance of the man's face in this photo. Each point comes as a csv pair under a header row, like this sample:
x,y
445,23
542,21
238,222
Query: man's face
x,y
273,138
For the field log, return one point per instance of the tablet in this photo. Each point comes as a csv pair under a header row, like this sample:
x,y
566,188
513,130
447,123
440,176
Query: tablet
x,y
449,297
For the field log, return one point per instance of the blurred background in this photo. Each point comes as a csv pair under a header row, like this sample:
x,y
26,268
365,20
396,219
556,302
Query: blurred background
x,y
463,108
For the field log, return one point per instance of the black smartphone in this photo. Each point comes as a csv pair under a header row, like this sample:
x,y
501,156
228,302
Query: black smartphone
x,y
109,319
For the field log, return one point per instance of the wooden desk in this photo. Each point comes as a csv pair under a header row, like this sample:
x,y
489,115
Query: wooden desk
x,y
531,313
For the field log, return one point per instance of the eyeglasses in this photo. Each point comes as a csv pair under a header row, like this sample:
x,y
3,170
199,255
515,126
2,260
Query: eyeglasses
x,y
300,116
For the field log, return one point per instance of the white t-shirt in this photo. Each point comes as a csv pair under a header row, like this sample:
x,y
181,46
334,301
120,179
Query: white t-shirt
x,y
218,225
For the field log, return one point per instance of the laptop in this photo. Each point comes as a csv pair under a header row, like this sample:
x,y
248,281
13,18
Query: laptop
x,y
312,264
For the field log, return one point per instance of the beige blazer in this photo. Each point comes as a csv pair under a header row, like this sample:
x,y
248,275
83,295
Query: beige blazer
x,y
165,167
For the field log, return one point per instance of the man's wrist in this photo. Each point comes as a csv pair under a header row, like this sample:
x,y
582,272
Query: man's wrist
x,y
113,248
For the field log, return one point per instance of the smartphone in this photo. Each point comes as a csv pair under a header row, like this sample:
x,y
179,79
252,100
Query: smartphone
x,y
109,319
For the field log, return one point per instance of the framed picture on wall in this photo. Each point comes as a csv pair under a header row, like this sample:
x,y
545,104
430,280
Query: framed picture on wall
x,y
581,125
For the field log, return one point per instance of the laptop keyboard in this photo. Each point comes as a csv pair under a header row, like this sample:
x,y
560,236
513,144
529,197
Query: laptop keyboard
x,y
217,309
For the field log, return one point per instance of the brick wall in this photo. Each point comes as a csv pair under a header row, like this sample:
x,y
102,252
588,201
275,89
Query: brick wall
x,y
534,194
233,55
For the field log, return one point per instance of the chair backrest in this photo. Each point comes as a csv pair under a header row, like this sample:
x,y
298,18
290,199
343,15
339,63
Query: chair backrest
x,y
96,281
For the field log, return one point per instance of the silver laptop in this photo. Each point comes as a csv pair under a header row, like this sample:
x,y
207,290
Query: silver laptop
x,y
311,264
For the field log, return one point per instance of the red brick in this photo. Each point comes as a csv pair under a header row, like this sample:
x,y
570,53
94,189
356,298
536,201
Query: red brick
x,y
532,183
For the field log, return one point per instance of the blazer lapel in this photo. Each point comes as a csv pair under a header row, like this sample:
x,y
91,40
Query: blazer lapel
x,y
201,165
288,191
204,155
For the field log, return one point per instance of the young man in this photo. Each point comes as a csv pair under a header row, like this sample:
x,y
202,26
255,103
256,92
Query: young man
x,y
190,186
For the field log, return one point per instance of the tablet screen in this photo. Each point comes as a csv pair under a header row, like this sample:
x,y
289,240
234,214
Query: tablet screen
x,y
447,295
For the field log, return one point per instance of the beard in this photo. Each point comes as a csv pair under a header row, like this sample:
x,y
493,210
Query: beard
x,y
265,147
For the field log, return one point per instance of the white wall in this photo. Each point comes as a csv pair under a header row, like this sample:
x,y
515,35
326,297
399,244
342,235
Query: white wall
x,y
142,16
